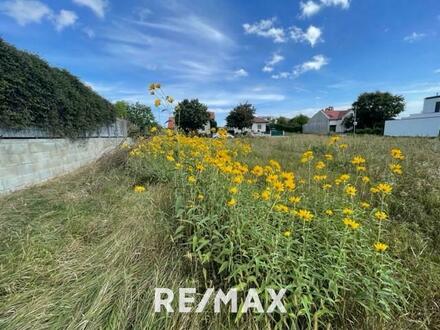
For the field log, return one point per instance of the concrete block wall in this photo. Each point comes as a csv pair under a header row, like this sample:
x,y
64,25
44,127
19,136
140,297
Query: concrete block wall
x,y
24,162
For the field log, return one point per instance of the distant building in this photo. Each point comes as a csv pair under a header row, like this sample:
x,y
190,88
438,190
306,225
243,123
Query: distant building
x,y
326,121
426,123
259,125
171,123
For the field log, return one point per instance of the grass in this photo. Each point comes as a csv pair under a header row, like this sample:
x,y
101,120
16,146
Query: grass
x,y
84,251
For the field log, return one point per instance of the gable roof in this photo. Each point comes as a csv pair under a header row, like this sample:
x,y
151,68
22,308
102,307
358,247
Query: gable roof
x,y
260,120
334,114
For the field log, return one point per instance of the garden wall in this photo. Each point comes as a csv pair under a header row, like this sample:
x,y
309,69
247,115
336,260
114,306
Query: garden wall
x,y
28,160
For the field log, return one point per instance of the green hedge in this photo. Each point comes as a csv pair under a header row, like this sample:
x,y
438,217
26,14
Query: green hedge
x,y
33,94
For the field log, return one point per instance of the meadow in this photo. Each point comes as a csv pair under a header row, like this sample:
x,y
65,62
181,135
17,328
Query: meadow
x,y
349,225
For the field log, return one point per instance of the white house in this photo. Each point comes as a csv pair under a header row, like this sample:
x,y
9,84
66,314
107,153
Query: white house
x,y
426,123
259,125
326,121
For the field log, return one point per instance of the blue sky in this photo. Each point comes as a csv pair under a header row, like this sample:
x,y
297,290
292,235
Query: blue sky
x,y
286,57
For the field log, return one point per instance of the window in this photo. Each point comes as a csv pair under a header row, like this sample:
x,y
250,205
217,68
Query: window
x,y
259,125
437,107
332,128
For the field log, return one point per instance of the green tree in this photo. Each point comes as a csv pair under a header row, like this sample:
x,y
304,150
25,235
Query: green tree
x,y
241,116
298,122
121,108
372,109
141,116
191,115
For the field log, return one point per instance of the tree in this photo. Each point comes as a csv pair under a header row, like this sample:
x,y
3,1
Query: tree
x,y
294,124
141,116
241,116
372,109
191,115
298,122
121,108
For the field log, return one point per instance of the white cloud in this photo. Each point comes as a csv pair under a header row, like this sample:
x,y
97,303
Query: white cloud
x,y
282,75
64,18
309,8
276,58
241,73
312,35
97,6
312,7
315,64
413,37
265,28
25,12
437,71
89,32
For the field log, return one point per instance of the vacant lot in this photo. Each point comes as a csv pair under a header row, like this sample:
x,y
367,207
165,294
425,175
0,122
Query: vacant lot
x,y
86,251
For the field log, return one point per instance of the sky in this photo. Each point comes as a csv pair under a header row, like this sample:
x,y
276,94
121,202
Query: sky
x,y
285,57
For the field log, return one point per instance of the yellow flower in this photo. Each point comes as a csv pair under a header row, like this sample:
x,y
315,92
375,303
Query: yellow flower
x,y
320,165
307,156
380,215
192,179
255,195
358,160
287,233
343,146
153,129
257,171
295,199
326,186
328,156
157,102
361,168
338,182
396,169
306,215
396,153
233,190
276,166
139,189
278,186
290,185
271,178
350,223
384,188
170,158
318,178
232,202
347,211
200,197
380,247
334,139
178,166
200,167
365,205
265,195
281,208
365,179
350,190
237,179
329,212
344,177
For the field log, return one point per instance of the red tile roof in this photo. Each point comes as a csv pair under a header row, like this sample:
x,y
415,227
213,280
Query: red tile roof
x,y
335,114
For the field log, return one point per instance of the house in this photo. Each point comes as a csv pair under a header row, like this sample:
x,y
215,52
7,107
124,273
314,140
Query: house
x,y
426,123
260,125
327,121
171,123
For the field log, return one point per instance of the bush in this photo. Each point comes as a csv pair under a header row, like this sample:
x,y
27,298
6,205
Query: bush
x,y
320,234
33,94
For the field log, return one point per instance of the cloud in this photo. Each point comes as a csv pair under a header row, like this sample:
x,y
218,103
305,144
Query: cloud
x,y
437,71
309,8
265,28
97,6
312,7
241,73
315,64
413,37
276,58
312,35
89,32
64,18
25,12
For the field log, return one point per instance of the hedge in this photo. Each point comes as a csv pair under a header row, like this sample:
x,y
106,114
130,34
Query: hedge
x,y
33,94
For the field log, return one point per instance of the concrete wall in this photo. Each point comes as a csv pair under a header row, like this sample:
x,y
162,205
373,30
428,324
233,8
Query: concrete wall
x,y
429,104
24,162
318,124
414,126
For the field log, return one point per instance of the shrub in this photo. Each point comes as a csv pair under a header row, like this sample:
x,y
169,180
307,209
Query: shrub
x,y
33,94
320,232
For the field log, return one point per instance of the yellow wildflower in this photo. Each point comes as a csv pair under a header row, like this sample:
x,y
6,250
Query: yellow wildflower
x,y
237,179
257,171
326,186
294,199
328,156
343,146
350,223
200,197
380,247
329,212
380,215
139,189
233,190
157,102
365,179
281,208
265,195
358,160
192,179
396,169
306,215
232,202
287,233
344,177
384,188
347,211
396,153
350,190
365,205
320,165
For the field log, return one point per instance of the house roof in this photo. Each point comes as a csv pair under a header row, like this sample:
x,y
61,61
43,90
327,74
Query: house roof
x,y
335,114
260,120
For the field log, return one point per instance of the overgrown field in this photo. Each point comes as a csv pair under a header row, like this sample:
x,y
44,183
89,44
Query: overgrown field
x,y
349,226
